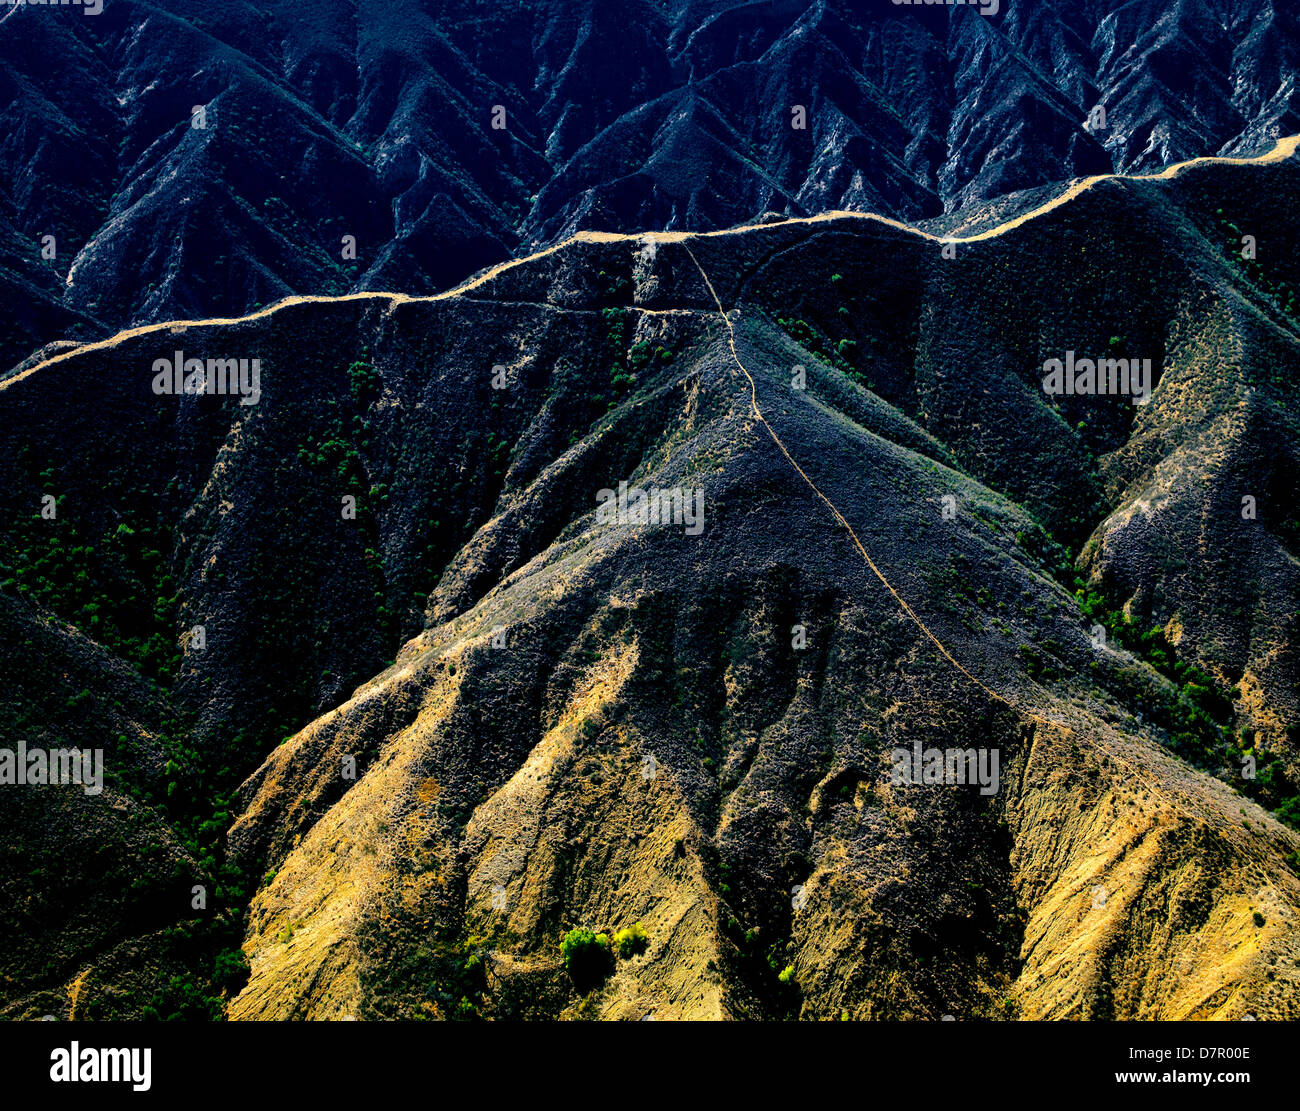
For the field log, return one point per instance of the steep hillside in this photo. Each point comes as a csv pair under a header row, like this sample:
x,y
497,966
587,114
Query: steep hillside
x,y
99,877
505,717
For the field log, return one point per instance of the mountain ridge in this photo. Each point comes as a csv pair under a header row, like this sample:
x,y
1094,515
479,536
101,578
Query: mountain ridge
x,y
523,767
1284,148
374,121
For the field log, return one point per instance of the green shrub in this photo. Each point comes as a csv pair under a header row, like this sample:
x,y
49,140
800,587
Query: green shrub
x,y
586,957
364,383
631,941
1289,812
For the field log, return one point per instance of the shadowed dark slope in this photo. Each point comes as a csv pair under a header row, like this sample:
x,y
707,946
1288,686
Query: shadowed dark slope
x,y
375,121
501,793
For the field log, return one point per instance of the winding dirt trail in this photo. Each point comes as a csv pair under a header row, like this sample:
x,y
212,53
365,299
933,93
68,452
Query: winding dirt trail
x,y
1284,149
757,413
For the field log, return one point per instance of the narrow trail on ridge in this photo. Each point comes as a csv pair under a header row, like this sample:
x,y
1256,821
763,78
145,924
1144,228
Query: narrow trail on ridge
x,y
912,615
1282,150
